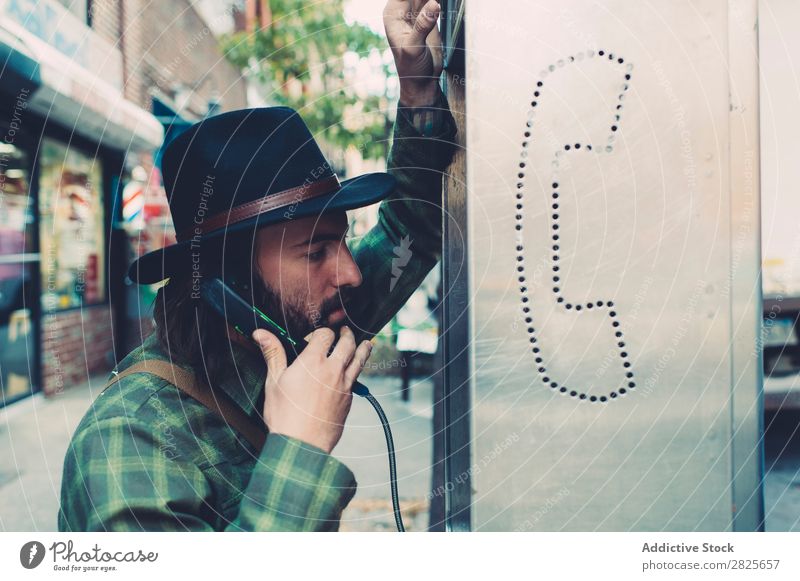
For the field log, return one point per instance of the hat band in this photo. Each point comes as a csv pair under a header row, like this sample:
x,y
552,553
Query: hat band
x,y
266,204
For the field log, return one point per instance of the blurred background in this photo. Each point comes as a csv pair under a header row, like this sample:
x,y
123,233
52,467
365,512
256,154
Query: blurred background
x,y
92,90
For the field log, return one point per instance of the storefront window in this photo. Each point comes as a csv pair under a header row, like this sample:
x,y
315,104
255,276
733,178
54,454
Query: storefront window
x,y
17,268
16,212
71,218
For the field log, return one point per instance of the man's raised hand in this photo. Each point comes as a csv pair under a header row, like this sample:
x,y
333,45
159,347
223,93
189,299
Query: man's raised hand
x,y
413,34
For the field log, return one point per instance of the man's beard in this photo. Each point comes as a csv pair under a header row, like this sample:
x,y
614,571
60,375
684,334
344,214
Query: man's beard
x,y
301,319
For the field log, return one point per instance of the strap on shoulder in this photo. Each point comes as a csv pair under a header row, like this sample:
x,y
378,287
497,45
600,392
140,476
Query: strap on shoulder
x,y
220,403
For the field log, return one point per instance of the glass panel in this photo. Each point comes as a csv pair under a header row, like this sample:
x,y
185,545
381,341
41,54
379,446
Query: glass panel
x,y
613,356
16,277
71,222
17,332
16,206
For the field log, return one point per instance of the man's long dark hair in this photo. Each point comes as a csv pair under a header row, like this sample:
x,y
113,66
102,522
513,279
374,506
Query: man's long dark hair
x,y
188,330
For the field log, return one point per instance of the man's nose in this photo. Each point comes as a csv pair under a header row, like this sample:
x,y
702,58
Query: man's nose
x,y
347,271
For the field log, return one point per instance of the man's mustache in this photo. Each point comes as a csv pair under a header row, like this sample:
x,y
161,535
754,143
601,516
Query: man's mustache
x,y
342,300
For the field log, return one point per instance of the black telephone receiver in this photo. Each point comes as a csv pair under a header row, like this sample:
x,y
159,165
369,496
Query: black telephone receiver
x,y
246,318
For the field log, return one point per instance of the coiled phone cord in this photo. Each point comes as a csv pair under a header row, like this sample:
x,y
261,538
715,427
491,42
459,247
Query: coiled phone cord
x,y
398,517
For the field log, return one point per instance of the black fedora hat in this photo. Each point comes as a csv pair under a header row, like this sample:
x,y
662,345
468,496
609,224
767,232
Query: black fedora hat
x,y
243,170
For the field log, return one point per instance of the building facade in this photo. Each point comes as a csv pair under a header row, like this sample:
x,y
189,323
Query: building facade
x,y
84,85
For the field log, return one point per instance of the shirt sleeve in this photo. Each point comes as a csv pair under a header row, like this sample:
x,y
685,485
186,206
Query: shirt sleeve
x,y
297,487
120,477
406,243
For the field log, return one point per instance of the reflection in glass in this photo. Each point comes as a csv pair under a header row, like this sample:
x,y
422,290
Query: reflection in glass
x,y
71,222
16,275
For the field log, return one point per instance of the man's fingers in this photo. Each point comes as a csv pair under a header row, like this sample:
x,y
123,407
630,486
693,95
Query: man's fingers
x,y
396,10
434,38
345,348
320,342
273,352
396,17
424,23
359,360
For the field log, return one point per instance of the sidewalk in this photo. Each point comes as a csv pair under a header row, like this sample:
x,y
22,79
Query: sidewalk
x,y
35,432
363,449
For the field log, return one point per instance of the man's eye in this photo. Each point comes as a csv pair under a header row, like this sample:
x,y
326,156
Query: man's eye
x,y
314,256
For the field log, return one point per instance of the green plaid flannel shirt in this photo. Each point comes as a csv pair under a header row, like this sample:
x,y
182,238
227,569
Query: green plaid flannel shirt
x,y
147,457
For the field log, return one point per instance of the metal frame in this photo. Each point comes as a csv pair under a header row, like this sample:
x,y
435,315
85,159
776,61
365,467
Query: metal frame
x,y
747,445
455,405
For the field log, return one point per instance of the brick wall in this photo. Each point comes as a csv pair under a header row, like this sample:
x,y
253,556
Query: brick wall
x,y
169,46
120,22
75,344
105,19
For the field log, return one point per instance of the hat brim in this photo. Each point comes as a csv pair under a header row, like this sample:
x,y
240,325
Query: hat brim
x,y
354,193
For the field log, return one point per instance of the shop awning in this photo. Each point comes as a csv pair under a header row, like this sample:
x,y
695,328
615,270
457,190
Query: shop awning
x,y
20,73
75,97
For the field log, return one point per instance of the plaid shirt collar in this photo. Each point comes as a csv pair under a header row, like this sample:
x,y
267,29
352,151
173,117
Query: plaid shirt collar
x,y
244,383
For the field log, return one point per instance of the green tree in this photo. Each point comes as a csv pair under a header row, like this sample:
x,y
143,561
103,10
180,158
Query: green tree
x,y
300,56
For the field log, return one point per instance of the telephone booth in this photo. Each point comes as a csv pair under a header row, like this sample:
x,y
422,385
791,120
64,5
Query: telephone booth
x,y
601,271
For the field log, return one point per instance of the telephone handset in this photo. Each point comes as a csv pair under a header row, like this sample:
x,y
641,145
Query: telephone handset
x,y
246,318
